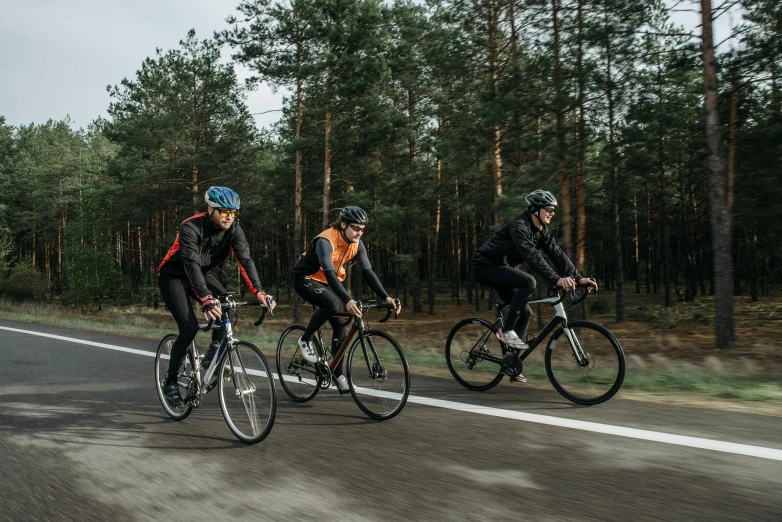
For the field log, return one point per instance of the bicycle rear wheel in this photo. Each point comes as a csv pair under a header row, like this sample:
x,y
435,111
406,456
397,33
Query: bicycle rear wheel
x,y
162,358
246,392
599,374
378,374
468,348
297,376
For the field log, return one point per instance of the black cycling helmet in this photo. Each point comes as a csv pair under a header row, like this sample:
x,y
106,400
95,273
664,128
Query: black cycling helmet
x,y
351,215
539,199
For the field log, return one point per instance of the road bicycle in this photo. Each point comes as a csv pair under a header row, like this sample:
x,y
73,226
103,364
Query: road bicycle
x,y
239,370
376,367
584,361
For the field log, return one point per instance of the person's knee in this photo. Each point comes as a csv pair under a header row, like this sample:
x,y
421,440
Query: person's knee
x,y
188,329
332,307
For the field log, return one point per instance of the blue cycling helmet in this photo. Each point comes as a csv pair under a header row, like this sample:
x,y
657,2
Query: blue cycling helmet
x,y
222,197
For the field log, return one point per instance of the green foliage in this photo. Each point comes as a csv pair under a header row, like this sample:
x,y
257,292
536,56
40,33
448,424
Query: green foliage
x,y
25,282
93,272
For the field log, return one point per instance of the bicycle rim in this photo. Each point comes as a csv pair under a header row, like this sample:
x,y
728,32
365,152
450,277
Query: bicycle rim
x,y
378,374
598,376
246,392
162,358
296,375
467,348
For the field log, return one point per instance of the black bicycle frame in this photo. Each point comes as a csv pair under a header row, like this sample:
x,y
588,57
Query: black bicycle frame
x,y
533,343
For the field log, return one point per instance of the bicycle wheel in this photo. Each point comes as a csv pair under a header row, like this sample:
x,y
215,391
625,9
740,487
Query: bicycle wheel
x,y
467,349
378,374
162,357
600,374
297,376
246,392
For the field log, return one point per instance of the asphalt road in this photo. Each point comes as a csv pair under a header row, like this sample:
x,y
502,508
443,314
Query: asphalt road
x,y
83,437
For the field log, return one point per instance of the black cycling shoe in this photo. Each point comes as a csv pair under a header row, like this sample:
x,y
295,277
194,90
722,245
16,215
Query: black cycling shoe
x,y
210,353
171,391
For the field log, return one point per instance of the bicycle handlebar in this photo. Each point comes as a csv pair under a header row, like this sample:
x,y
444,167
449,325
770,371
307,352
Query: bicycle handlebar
x,y
374,304
572,291
225,300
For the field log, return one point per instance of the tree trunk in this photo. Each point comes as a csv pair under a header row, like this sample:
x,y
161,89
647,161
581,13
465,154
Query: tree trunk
x,y
720,213
297,228
433,251
496,133
619,273
636,260
580,245
327,163
458,234
564,179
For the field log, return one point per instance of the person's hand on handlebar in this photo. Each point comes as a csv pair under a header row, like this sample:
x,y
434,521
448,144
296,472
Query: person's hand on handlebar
x,y
261,296
390,301
591,284
211,308
353,308
566,283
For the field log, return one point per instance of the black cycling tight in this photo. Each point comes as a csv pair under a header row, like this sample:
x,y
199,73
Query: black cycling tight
x,y
514,287
328,304
176,294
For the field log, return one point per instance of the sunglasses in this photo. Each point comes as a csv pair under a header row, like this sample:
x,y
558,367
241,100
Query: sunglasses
x,y
358,228
224,212
550,210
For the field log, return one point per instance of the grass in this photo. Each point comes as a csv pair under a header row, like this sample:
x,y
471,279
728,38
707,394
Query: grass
x,y
661,362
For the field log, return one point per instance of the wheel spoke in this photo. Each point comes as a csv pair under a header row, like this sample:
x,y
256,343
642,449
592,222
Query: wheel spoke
x,y
162,359
247,393
472,352
585,364
379,375
297,376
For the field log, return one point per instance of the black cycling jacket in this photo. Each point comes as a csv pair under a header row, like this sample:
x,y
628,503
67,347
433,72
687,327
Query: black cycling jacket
x,y
200,246
519,240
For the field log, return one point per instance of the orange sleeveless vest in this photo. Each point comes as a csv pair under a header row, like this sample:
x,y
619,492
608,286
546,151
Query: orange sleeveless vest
x,y
343,252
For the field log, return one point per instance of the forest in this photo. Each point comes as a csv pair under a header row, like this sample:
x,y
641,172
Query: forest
x,y
662,145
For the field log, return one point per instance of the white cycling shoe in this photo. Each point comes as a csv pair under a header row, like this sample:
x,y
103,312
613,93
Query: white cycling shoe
x,y
512,339
342,383
307,351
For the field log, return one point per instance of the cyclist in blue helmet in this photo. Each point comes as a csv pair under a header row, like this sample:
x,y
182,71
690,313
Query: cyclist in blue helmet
x,y
203,242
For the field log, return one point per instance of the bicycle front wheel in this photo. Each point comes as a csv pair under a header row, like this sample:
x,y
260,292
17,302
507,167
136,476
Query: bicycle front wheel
x,y
587,368
162,358
246,392
297,376
473,354
378,374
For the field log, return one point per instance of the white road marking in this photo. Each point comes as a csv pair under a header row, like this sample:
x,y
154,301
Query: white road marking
x,y
595,427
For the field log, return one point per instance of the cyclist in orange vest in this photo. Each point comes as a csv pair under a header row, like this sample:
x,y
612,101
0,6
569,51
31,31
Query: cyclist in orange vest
x,y
318,276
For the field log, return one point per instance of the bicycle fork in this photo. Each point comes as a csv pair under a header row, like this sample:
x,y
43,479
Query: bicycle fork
x,y
578,352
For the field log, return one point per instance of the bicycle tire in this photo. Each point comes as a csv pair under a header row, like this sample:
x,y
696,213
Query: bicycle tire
x,y
589,384
469,332
380,381
246,392
294,372
163,353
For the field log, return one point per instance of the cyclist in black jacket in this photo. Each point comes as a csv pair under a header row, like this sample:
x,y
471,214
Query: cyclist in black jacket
x,y
203,242
522,239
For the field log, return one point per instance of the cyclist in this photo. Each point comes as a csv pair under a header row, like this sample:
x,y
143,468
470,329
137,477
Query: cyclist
x,y
318,276
522,239
203,242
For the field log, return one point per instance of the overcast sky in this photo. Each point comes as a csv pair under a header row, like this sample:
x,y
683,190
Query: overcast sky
x,y
57,56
